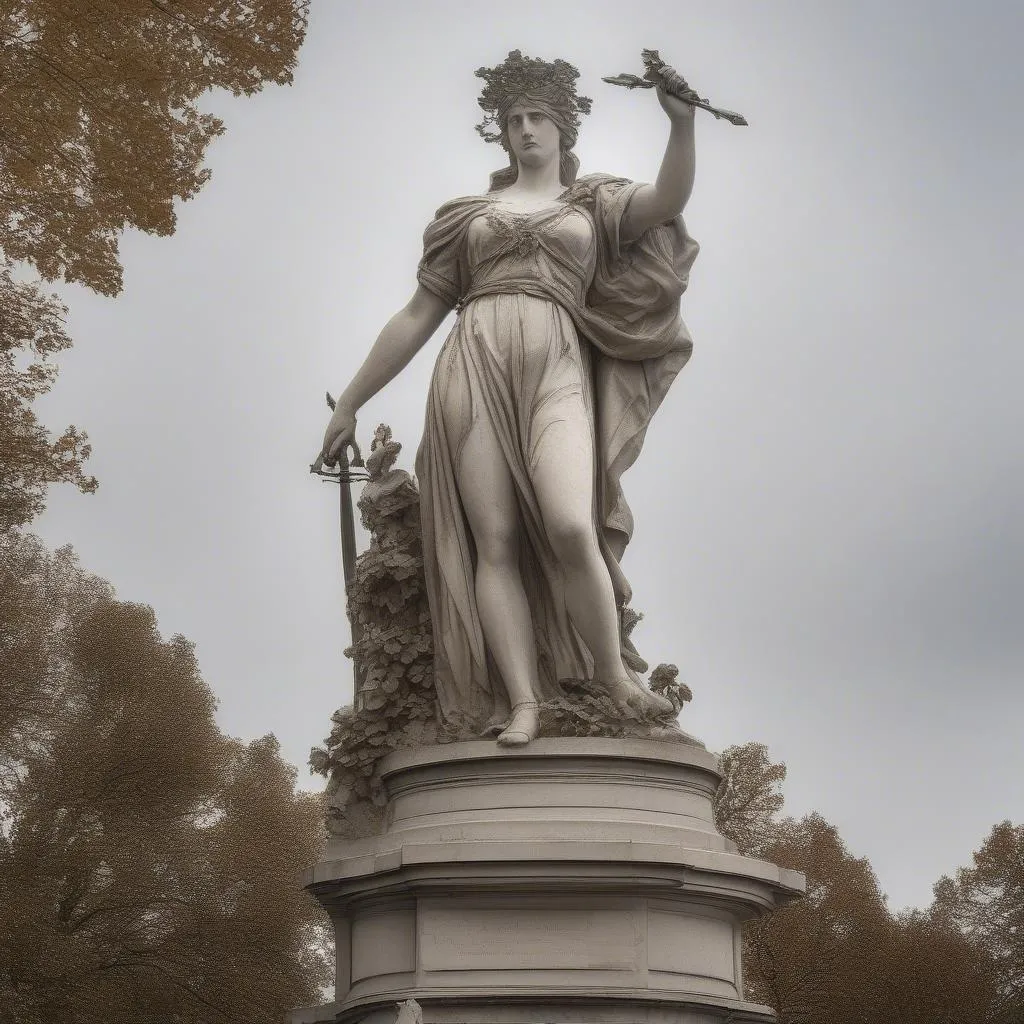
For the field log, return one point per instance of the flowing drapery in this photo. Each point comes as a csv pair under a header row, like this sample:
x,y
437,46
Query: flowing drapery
x,y
604,315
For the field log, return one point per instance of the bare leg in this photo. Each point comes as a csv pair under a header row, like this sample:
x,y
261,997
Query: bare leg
x,y
489,500
563,478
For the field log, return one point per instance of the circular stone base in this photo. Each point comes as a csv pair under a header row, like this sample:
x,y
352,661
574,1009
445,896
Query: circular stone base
x,y
572,880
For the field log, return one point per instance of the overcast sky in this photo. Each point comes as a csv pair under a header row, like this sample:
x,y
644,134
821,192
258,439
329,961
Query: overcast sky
x,y
829,507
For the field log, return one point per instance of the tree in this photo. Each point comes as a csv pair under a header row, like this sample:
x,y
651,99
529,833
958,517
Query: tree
x,y
31,332
99,128
813,959
39,594
748,800
152,865
838,956
810,960
987,902
932,974
99,131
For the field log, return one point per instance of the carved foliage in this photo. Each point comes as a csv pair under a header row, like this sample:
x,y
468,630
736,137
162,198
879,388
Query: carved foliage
x,y
393,648
395,705
582,712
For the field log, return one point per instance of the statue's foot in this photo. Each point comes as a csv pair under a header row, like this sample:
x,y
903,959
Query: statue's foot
x,y
634,694
494,728
525,725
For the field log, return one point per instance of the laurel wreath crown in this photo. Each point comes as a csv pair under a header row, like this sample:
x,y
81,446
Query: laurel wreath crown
x,y
518,75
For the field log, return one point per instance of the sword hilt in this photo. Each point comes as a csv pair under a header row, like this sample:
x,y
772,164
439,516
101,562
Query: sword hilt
x,y
659,73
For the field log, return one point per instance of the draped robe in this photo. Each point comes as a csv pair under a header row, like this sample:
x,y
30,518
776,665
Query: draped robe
x,y
553,308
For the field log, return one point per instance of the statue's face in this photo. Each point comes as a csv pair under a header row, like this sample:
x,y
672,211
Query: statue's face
x,y
532,135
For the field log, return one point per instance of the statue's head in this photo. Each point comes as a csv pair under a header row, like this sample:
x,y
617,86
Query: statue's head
x,y
520,92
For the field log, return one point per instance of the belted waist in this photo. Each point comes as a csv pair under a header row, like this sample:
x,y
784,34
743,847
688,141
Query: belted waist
x,y
517,286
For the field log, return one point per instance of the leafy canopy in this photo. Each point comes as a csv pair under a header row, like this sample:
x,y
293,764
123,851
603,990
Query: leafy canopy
x,y
839,956
99,128
152,866
100,131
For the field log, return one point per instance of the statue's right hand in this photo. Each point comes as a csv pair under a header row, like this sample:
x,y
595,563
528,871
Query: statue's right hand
x,y
340,434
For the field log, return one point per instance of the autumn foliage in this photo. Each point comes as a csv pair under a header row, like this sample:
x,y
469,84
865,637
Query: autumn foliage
x,y
839,955
30,458
749,799
100,131
151,866
986,901
98,118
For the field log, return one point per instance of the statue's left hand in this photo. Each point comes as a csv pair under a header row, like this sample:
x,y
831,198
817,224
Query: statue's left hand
x,y
678,110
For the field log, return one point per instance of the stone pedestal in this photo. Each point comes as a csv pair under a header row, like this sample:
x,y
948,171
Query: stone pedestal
x,y
572,880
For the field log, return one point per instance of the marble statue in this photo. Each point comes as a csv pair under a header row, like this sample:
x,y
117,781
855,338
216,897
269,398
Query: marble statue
x,y
573,870
567,338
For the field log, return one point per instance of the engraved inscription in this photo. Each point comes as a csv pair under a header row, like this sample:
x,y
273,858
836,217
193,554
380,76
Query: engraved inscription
x,y
529,939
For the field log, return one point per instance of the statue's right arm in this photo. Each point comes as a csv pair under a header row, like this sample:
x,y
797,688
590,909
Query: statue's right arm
x,y
403,336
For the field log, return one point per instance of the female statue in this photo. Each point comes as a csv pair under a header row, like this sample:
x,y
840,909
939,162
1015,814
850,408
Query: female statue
x,y
567,337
